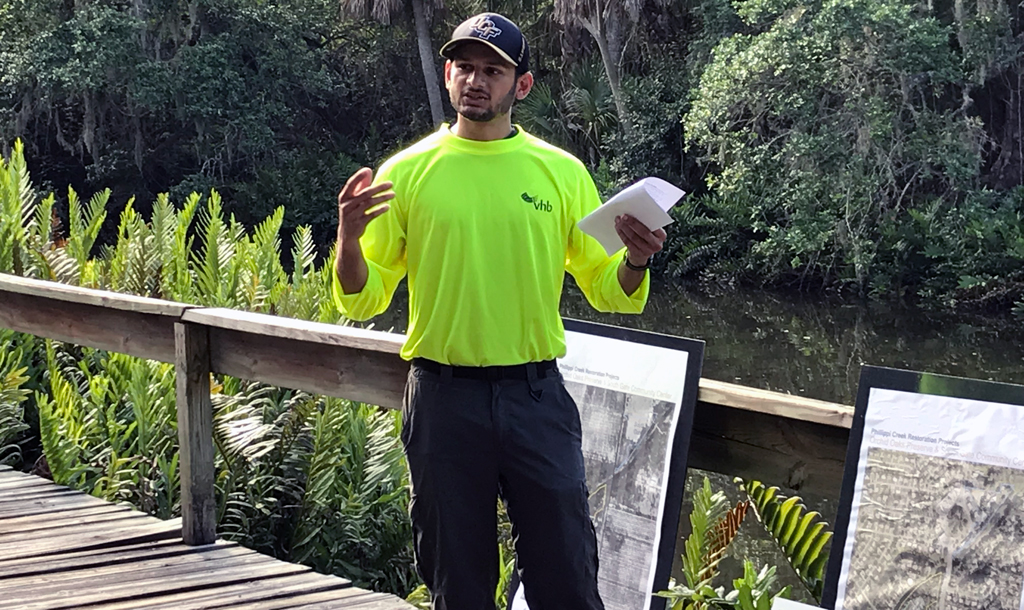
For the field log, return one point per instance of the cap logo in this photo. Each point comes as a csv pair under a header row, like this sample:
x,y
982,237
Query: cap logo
x,y
486,28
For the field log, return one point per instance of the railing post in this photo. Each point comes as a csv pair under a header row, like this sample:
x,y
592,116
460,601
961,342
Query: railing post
x,y
195,433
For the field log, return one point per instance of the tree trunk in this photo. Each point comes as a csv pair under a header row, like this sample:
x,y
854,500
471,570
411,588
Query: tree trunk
x,y
1007,171
611,69
427,62
140,13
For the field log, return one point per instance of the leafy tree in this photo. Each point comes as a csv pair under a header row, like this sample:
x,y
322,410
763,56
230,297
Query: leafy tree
x,y
266,101
385,11
827,124
609,23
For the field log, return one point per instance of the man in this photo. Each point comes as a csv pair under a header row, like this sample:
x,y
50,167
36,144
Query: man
x,y
482,217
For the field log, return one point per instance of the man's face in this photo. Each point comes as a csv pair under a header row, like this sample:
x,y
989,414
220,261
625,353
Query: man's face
x,y
481,85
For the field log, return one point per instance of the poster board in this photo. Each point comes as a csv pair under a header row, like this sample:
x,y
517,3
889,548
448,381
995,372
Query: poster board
x,y
636,392
931,512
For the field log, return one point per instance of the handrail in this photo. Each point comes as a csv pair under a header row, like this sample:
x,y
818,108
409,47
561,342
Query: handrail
x,y
739,430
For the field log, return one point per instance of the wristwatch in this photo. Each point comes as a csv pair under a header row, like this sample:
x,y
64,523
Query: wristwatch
x,y
644,267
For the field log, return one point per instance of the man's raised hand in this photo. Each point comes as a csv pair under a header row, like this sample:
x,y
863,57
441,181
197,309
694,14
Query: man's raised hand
x,y
358,204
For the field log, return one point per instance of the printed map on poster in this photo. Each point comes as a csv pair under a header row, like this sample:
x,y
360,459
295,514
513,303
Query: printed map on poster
x,y
937,520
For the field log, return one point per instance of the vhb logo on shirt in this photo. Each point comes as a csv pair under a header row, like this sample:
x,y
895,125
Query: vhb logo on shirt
x,y
538,204
486,28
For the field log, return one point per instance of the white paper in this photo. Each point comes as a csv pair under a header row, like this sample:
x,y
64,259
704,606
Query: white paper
x,y
638,390
786,604
937,494
648,200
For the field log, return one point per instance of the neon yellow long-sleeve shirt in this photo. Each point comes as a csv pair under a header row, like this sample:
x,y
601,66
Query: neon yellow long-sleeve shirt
x,y
485,231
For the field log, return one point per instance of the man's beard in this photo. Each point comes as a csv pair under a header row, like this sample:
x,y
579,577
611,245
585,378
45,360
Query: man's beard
x,y
484,115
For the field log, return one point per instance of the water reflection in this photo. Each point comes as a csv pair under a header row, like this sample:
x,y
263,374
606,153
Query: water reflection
x,y
805,345
814,346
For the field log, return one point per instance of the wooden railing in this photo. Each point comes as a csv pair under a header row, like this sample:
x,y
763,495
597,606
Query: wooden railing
x,y
777,438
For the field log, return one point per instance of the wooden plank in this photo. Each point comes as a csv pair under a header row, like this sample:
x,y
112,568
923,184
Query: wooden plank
x,y
56,536
55,291
147,568
339,598
299,330
377,378
7,485
130,578
800,455
109,591
10,473
145,335
11,568
44,527
18,508
195,434
165,530
119,523
44,500
14,488
270,588
13,479
373,601
79,515
35,493
25,493
775,403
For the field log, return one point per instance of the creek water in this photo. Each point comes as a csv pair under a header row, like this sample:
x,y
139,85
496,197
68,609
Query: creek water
x,y
803,344
813,346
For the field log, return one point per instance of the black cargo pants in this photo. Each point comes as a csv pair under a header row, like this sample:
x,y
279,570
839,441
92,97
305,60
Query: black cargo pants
x,y
472,435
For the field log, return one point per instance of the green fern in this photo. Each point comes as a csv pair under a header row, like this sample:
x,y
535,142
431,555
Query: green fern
x,y
754,590
801,534
296,475
303,299
84,226
178,279
61,423
709,508
18,202
700,552
41,259
12,395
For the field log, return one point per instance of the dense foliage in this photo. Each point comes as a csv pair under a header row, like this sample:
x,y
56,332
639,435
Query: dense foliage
x,y
316,480
872,146
850,148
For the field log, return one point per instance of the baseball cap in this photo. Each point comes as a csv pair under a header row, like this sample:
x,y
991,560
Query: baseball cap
x,y
496,32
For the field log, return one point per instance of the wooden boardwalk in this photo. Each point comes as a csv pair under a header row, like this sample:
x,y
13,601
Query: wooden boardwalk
x,y
60,548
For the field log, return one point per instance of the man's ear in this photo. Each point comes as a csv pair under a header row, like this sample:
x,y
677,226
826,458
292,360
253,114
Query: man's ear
x,y
523,85
447,72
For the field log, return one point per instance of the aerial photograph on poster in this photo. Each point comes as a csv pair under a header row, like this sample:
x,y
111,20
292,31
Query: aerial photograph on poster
x,y
625,454
934,533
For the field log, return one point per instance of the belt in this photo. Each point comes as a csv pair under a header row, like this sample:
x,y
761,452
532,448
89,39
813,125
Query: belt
x,y
545,368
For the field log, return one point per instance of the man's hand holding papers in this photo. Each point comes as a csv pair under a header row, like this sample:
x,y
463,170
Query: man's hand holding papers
x,y
647,201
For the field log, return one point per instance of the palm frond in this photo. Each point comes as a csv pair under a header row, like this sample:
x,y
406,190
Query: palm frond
x,y
801,534
178,279
18,201
213,262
